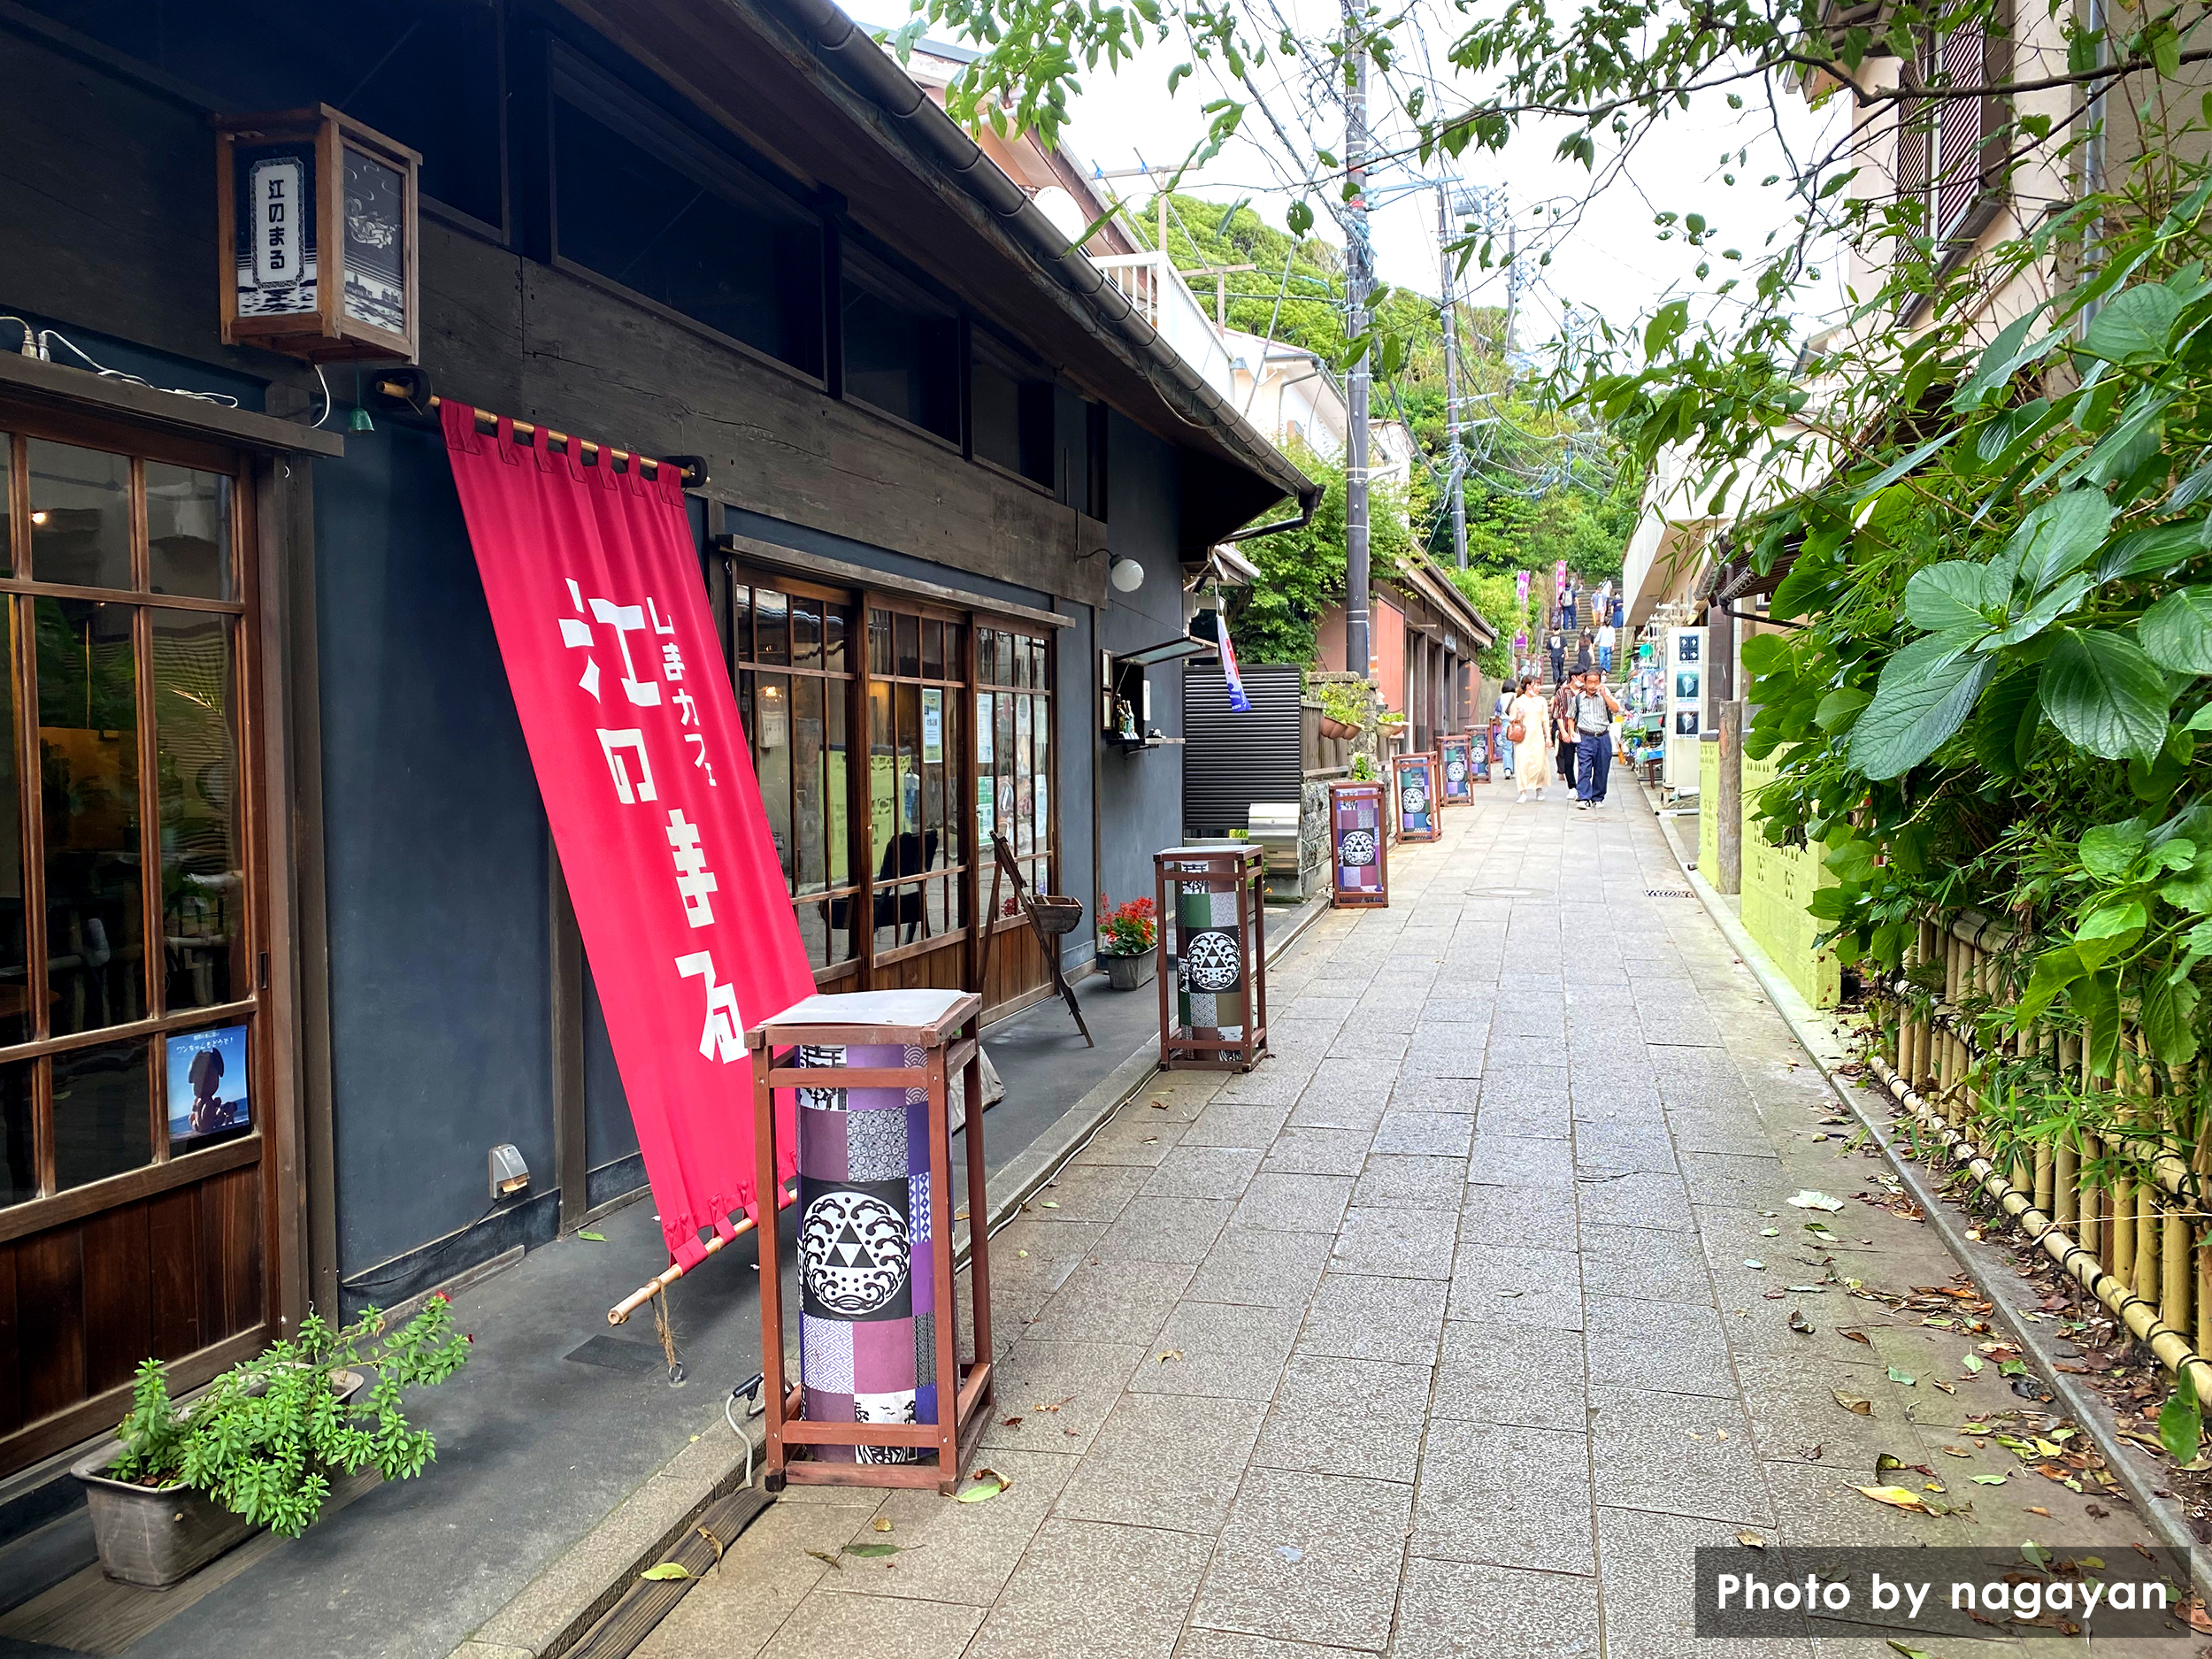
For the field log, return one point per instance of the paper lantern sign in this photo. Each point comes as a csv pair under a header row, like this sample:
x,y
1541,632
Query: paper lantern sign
x,y
1213,972
883,1397
1459,769
1414,780
1359,844
316,223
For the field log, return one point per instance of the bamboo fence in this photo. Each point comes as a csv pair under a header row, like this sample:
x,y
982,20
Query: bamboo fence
x,y
2121,1211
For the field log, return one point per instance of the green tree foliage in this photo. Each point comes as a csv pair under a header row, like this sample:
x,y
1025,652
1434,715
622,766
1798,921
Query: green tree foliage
x,y
1303,570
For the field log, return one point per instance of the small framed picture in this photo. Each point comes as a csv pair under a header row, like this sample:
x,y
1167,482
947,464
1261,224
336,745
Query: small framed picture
x,y
210,1084
1686,647
1686,723
1685,685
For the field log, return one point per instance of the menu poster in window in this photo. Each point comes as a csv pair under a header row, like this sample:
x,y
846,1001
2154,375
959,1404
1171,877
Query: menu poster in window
x,y
208,1083
983,728
985,807
933,727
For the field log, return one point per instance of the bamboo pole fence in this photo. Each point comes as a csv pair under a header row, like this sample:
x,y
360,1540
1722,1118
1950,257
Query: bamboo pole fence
x,y
2123,1212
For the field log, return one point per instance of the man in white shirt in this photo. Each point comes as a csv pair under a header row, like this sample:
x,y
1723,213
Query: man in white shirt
x,y
1605,645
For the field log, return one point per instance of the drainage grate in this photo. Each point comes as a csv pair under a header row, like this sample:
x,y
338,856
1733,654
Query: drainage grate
x,y
1669,893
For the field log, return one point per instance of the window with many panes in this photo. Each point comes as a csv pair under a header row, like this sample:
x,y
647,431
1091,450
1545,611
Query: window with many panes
x,y
916,821
126,998
794,659
1013,751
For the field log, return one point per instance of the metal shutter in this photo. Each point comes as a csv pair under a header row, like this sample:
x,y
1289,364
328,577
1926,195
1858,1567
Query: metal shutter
x,y
1230,760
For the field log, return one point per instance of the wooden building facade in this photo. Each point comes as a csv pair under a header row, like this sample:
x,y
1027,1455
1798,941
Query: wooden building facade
x,y
284,948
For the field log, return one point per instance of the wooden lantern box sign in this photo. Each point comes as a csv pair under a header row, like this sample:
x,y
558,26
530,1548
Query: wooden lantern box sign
x,y
1413,778
1213,957
885,1397
316,220
1359,844
1460,770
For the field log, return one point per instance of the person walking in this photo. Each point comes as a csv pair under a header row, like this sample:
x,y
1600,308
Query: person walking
x,y
1586,658
1556,644
1562,729
1593,714
1605,647
1529,716
1502,716
1567,608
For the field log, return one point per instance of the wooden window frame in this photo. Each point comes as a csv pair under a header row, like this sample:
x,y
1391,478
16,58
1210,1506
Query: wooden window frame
x,y
52,1205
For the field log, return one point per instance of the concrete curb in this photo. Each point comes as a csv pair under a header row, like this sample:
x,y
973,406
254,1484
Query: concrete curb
x,y
559,1606
1992,1270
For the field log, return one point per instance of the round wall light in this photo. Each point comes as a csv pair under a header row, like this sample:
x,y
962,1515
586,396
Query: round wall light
x,y
1125,574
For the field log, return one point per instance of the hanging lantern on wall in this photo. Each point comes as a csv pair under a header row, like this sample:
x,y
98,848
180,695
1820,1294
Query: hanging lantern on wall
x,y
317,221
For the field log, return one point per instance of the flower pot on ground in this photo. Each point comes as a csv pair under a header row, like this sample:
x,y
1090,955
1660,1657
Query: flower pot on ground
x,y
180,1485
1126,943
1127,973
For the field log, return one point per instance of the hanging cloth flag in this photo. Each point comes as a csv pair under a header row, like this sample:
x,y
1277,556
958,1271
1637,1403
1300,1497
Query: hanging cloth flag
x,y
1238,701
592,580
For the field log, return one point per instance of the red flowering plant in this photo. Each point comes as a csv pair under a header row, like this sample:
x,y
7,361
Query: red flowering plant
x,y
1129,930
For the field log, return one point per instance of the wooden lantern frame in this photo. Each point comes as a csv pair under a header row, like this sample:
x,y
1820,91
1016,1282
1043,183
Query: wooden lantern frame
x,y
1401,765
1462,745
326,334
1342,897
1240,869
945,1025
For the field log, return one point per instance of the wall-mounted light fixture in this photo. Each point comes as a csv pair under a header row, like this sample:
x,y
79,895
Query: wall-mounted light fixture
x,y
316,220
1125,573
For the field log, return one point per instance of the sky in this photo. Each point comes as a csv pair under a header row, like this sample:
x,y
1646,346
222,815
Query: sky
x,y
1605,260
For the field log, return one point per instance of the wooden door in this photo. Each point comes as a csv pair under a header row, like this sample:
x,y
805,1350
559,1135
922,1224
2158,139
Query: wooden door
x,y
920,821
135,1067
1016,795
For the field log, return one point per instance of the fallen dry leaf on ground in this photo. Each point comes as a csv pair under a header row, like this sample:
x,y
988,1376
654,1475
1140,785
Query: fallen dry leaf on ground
x,y
1859,1404
1896,1497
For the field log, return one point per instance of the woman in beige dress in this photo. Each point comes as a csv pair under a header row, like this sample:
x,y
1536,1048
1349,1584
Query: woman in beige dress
x,y
1531,754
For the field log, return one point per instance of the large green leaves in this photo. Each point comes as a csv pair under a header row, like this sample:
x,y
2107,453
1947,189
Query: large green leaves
x,y
2135,327
1925,693
1941,597
2060,535
2150,552
2102,693
2177,632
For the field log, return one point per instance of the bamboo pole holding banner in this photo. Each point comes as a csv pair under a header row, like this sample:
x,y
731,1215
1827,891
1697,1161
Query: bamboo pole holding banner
x,y
621,1312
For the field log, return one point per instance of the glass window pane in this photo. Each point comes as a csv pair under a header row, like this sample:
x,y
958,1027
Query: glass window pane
x,y
806,772
7,505
956,809
909,706
940,920
1041,807
19,1149
771,760
203,865
883,777
188,531
87,740
1003,667
836,784
985,645
101,1126
879,642
909,644
741,622
833,639
1021,660
15,986
1025,806
933,648
1037,664
814,930
806,632
898,916
80,516
772,632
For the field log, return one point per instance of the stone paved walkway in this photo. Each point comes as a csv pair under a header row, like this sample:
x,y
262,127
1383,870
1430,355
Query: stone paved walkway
x,y
1441,1332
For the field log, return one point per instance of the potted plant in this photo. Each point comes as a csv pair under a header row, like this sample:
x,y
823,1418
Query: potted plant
x,y
1126,938
1344,709
182,1484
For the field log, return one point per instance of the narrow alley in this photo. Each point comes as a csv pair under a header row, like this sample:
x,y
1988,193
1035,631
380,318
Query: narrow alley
x,y
1452,1329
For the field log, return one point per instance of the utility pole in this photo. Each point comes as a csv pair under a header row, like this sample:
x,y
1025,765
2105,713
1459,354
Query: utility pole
x,y
1456,478
1359,283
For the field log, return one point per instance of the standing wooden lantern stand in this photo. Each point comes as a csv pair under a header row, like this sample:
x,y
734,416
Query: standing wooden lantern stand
x,y
1413,778
1212,946
1359,844
862,1301
1459,770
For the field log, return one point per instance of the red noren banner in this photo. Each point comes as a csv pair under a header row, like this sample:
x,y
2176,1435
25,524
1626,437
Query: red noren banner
x,y
616,670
